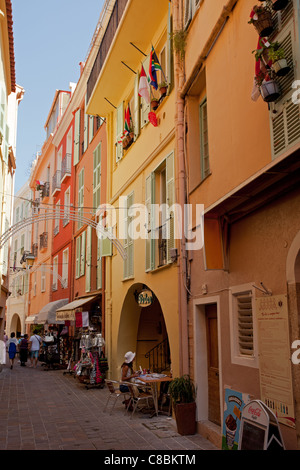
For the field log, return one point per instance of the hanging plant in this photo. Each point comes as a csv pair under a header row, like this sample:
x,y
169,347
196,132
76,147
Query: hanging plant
x,y
277,57
261,18
179,42
270,90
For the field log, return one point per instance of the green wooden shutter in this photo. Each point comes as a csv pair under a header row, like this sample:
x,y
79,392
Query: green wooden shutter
x,y
97,177
80,196
150,240
91,128
170,192
205,170
130,201
128,241
99,265
86,128
88,275
82,257
105,247
119,131
77,137
137,104
78,247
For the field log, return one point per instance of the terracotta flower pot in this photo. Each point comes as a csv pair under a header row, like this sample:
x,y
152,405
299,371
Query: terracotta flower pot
x,y
185,414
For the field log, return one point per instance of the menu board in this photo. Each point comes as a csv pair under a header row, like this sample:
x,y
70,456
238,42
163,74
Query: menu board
x,y
274,357
253,437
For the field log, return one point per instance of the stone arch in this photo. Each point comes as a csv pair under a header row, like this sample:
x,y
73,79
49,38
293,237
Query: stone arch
x,y
140,328
15,325
293,291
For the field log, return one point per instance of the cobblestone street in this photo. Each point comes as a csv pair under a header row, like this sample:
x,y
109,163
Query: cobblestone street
x,y
50,410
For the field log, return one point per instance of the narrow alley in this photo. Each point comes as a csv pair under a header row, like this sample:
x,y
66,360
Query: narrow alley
x,y
49,410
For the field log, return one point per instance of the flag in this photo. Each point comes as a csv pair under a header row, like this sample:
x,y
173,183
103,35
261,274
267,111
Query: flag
x,y
127,120
144,87
154,66
152,118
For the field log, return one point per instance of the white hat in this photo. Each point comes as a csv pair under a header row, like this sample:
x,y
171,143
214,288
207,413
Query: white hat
x,y
129,356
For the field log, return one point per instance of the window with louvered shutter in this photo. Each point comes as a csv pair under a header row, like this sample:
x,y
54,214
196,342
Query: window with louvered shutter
x,y
284,114
245,324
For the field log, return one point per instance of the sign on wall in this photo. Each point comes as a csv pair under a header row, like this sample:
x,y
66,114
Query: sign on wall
x,y
145,298
234,404
274,357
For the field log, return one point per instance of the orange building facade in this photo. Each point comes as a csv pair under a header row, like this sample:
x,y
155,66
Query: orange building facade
x,y
242,165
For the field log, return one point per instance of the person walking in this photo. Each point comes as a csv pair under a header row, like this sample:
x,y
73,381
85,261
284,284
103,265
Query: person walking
x,y
23,349
35,342
12,345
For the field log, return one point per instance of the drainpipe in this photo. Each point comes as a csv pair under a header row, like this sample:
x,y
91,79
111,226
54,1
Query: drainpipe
x,y
179,132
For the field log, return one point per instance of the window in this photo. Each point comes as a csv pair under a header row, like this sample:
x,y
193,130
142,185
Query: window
x,y
66,207
190,8
80,196
43,278
65,268
205,170
55,273
285,113
242,320
160,191
57,218
128,241
97,177
77,137
80,255
99,264
88,276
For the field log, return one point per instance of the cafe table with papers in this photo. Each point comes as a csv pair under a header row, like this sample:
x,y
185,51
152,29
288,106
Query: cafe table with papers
x,y
154,380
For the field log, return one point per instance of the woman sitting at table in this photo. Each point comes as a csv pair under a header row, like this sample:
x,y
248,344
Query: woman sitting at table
x,y
127,373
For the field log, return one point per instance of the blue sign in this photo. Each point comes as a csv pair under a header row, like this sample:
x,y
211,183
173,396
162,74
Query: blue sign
x,y
234,404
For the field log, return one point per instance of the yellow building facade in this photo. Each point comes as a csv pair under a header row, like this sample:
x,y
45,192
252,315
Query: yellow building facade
x,y
141,173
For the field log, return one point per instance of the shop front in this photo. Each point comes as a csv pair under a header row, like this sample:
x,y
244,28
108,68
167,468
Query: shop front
x,y
83,319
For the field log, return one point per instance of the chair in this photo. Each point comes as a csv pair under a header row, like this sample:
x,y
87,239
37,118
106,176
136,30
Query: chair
x,y
137,397
114,393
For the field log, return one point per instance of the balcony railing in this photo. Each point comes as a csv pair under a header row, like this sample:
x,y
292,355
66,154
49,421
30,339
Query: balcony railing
x,y
45,192
66,167
35,249
44,241
56,182
106,42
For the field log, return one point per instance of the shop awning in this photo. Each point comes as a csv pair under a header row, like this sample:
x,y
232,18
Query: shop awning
x,y
67,312
31,319
48,313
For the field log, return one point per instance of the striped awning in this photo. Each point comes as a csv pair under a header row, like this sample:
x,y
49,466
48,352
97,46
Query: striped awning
x,y
48,313
67,312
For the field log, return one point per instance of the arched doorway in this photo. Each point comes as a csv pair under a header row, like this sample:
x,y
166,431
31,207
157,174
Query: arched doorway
x,y
143,330
15,325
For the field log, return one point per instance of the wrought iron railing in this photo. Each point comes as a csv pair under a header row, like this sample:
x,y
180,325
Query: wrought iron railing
x,y
66,166
43,240
159,357
56,181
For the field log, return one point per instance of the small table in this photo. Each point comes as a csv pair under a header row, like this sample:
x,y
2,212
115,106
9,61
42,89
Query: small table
x,y
154,380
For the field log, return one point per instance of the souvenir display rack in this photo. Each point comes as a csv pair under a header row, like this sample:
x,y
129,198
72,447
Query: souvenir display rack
x,y
92,366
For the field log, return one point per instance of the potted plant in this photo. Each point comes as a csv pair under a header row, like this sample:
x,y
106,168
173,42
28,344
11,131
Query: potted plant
x,y
183,395
154,103
279,4
277,56
269,90
261,18
163,87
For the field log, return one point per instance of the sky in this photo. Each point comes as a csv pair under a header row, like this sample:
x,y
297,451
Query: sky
x,y
50,39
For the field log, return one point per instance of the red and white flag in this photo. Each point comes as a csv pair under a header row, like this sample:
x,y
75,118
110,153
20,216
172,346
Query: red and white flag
x,y
144,86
